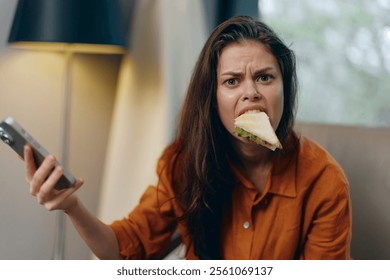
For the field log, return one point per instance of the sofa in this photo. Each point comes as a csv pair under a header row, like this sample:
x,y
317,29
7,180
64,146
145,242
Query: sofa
x,y
364,153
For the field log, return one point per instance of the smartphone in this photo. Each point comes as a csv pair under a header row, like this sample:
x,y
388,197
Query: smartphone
x,y
16,137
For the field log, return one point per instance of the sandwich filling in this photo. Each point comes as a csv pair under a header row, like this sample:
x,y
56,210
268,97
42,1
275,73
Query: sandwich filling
x,y
256,127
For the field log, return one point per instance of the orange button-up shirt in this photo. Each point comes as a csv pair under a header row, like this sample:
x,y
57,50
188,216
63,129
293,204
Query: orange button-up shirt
x,y
304,212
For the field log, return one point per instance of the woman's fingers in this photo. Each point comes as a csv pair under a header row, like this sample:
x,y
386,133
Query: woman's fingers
x,y
62,199
46,190
42,174
42,181
29,162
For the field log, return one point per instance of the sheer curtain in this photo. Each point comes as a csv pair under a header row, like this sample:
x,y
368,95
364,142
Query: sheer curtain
x,y
166,38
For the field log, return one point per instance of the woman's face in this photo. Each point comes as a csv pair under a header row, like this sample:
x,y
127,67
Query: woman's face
x,y
249,78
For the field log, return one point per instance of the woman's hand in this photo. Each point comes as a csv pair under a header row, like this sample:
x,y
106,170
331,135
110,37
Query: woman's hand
x,y
97,235
42,181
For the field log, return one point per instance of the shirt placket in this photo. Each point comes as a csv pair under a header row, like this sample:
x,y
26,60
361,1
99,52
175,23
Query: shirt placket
x,y
246,226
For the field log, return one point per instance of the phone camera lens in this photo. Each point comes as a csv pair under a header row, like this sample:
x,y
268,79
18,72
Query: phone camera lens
x,y
5,137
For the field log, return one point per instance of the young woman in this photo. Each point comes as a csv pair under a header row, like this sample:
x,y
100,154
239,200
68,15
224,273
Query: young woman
x,y
229,197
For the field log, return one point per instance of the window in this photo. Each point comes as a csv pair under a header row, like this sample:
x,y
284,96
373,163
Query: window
x,y
343,57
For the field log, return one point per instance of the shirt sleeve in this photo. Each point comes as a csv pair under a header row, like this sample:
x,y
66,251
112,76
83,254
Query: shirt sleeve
x,y
146,232
329,234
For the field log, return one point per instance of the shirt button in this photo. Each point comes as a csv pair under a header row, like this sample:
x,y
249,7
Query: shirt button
x,y
246,225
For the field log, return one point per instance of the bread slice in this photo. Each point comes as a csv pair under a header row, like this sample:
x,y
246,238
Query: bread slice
x,y
255,126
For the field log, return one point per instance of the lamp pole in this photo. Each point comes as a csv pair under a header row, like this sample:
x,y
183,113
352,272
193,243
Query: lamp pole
x,y
59,235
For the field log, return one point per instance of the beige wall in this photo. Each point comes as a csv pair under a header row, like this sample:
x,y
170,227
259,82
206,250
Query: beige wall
x,y
31,90
153,80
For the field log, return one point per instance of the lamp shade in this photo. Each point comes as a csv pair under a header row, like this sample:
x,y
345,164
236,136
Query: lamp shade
x,y
82,23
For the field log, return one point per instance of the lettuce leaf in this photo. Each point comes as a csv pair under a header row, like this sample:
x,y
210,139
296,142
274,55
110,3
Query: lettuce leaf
x,y
245,134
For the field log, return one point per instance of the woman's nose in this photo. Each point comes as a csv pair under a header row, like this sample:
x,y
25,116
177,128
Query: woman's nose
x,y
251,92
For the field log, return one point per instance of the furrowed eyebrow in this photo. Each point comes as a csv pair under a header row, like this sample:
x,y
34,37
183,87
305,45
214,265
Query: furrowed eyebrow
x,y
231,73
257,72
266,69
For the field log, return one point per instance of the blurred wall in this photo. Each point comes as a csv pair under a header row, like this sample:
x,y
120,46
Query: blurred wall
x,y
153,80
31,88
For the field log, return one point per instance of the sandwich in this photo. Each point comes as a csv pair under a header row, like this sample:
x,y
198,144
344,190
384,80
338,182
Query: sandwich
x,y
255,126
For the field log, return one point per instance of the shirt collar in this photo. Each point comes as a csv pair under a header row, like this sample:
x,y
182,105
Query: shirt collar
x,y
282,180
283,177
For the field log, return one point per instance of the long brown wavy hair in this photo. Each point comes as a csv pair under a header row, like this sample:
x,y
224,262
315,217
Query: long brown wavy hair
x,y
203,179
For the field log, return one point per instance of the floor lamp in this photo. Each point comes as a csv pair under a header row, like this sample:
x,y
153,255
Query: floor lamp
x,y
68,26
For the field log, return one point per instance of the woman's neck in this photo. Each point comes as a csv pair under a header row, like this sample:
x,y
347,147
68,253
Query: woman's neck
x,y
251,153
254,161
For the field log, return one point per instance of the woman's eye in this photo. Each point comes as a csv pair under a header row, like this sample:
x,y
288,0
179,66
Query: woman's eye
x,y
231,82
264,78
